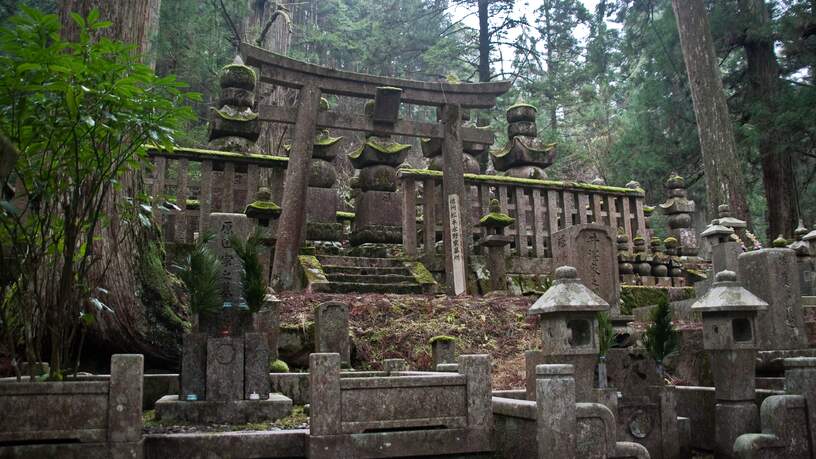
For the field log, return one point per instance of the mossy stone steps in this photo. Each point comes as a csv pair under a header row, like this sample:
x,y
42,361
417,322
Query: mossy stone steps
x,y
362,271
372,278
356,287
360,262
368,275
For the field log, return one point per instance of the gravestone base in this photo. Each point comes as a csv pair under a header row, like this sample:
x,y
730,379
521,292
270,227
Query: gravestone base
x,y
170,408
322,231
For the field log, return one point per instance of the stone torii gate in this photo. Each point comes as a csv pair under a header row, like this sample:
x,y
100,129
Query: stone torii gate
x,y
313,81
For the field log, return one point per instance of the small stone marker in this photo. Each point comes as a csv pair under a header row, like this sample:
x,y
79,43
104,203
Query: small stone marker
x,y
332,330
772,275
591,249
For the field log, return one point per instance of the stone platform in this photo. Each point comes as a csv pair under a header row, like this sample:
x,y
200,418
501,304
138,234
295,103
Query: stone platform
x,y
275,407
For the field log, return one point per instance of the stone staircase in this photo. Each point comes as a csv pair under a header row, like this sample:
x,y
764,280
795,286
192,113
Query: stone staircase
x,y
341,274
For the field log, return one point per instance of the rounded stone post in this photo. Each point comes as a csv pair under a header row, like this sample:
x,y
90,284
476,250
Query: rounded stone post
x,y
556,424
125,398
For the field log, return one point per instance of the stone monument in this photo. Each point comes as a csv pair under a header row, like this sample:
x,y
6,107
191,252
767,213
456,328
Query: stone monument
x,y
524,155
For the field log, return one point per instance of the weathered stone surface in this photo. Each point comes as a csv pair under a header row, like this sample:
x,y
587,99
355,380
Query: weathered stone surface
x,y
591,250
325,415
267,444
223,412
469,163
225,369
632,371
256,365
733,372
322,174
194,366
443,351
332,330
321,205
772,275
225,226
378,208
125,398
392,365
378,178
583,371
724,256
555,406
800,379
732,420
476,368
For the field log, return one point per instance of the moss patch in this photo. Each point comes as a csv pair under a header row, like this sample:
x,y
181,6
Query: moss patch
x,y
391,148
421,274
203,153
441,339
278,366
496,219
239,116
422,173
345,215
312,269
638,296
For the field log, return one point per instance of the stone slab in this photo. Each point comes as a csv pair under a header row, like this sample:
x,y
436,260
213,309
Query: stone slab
x,y
584,368
375,208
194,365
256,365
225,369
275,407
419,443
267,444
125,398
332,329
591,249
223,226
321,205
75,451
772,275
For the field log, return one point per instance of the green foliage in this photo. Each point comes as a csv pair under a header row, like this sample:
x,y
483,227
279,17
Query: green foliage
x,y
278,366
200,272
606,334
252,278
79,113
660,339
442,339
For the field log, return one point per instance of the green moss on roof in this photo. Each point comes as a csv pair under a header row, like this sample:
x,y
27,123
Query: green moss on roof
x,y
442,339
242,116
525,181
496,219
264,205
520,105
535,149
388,149
242,68
345,215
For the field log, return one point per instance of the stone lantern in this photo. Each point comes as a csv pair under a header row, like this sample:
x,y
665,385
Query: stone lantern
x,y
567,330
729,335
724,249
495,241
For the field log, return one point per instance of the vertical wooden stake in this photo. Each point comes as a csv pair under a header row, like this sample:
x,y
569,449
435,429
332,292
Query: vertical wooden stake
x,y
456,216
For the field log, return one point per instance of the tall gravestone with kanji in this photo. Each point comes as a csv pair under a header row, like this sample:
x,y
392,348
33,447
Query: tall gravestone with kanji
x,y
591,249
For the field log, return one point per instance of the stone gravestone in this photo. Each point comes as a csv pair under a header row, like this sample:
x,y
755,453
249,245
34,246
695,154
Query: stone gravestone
x,y
223,227
772,275
332,330
591,250
225,369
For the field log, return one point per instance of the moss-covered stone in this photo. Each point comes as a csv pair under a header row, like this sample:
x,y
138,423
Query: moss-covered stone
x,y
442,339
345,215
238,76
421,274
278,366
203,153
312,269
577,186
379,150
496,220
780,242
263,209
638,296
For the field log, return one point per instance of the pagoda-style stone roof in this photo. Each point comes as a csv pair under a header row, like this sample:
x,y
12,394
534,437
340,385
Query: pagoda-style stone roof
x,y
524,151
728,295
568,294
379,151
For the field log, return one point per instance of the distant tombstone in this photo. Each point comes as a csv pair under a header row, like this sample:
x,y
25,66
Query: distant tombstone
x,y
591,250
332,330
772,275
223,227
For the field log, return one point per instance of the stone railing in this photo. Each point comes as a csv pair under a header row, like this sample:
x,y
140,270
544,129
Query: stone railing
x,y
401,415
199,182
539,207
86,418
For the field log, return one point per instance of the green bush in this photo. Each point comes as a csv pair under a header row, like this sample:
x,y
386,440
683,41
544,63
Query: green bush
x,y
201,273
660,339
278,366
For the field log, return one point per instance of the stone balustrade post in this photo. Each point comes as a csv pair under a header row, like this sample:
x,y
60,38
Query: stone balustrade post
x,y
125,398
556,425
324,382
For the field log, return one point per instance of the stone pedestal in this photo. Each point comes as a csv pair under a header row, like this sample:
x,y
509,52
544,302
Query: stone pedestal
x,y
378,218
724,256
225,226
443,350
194,365
556,424
225,369
583,372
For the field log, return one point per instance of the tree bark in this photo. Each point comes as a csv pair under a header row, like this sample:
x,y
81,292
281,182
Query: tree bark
x,y
134,21
724,180
484,42
763,90
136,325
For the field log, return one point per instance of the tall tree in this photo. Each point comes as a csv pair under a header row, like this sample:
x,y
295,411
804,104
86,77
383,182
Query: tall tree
x,y
723,176
764,88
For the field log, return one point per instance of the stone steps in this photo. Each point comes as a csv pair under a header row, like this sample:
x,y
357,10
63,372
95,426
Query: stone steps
x,y
366,271
368,275
356,287
372,278
360,262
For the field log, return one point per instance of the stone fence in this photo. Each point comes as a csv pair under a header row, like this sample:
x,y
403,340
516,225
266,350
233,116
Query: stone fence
x,y
539,208
198,182
400,415
91,419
